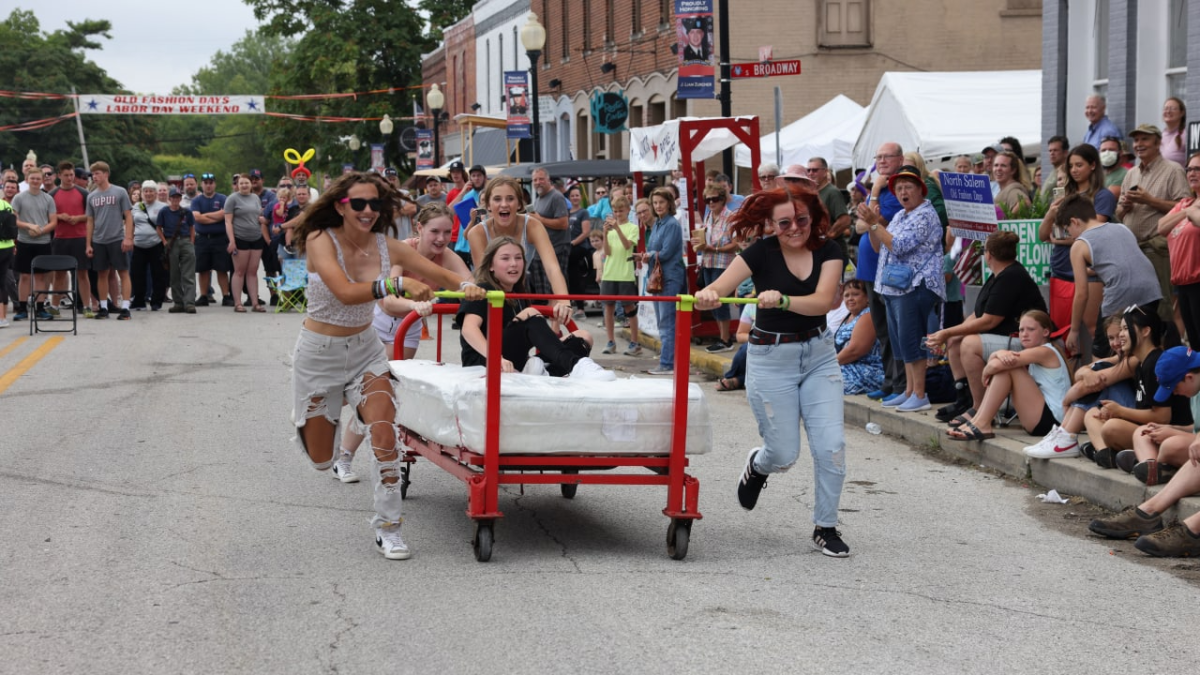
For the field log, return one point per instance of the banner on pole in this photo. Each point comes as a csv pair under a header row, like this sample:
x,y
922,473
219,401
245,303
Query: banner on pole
x,y
424,149
516,92
132,104
378,165
969,204
694,37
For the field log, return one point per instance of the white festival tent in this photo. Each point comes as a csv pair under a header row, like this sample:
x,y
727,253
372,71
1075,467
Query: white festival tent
x,y
828,131
946,114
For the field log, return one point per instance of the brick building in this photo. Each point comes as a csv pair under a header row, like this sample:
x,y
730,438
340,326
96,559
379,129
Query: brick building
x,y
845,47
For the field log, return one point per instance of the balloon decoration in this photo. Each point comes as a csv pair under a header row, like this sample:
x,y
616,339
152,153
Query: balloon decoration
x,y
300,174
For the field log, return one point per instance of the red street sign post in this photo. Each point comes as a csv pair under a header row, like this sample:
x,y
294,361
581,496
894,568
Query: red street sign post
x,y
766,69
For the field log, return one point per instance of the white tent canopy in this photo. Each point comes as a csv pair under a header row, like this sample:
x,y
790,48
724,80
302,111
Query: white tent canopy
x,y
828,132
943,114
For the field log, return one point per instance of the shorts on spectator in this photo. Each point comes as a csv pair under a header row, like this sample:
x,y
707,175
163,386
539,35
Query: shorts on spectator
x,y
27,252
618,288
707,276
109,257
76,247
211,253
250,245
1046,423
993,343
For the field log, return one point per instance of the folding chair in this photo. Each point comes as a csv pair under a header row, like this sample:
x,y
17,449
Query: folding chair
x,y
290,286
54,263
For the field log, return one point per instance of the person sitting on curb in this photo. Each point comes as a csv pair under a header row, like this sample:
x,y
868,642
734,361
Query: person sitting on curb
x,y
1036,378
1104,379
1178,374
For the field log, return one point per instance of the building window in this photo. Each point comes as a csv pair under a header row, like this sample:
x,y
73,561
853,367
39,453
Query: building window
x,y
566,28
487,74
664,13
844,23
610,21
1100,39
636,10
1177,36
500,80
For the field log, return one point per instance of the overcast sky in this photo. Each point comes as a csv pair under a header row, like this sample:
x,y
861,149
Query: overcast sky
x,y
154,46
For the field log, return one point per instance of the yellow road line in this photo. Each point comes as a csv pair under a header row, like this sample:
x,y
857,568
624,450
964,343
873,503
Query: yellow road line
x,y
7,379
16,343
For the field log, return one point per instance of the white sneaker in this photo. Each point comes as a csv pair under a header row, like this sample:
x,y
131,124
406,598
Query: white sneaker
x,y
341,469
4,323
535,366
391,544
587,369
1057,443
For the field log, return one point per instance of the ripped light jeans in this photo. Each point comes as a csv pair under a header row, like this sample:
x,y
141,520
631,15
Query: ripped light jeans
x,y
328,370
794,382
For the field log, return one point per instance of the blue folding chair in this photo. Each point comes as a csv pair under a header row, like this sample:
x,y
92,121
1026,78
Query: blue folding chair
x,y
291,285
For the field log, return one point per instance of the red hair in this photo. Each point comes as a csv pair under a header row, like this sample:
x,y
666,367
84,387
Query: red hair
x,y
747,222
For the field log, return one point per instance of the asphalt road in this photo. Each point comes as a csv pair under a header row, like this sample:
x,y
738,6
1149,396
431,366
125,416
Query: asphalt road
x,y
157,519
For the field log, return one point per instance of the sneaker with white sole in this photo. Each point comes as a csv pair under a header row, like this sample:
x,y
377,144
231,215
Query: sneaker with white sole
x,y
751,484
587,369
634,349
4,323
661,371
535,366
390,543
1058,443
341,469
894,400
610,348
914,404
828,540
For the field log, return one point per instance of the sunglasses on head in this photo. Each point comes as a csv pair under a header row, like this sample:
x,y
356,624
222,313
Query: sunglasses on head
x,y
207,176
360,204
189,175
1134,308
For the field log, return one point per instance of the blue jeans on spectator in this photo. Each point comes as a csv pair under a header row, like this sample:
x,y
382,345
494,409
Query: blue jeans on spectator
x,y
737,369
908,322
794,382
707,276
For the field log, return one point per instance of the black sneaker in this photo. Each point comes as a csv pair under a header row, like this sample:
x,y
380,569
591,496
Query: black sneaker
x,y
828,540
1088,450
1152,473
751,483
102,313
175,309
203,301
949,412
718,347
123,315
1128,524
1126,460
227,301
1106,458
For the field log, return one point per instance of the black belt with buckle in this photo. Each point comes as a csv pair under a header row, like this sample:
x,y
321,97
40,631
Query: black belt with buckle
x,y
212,236
762,337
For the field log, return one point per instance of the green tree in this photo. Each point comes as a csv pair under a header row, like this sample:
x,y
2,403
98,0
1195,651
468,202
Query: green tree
x,y
445,13
378,46
33,60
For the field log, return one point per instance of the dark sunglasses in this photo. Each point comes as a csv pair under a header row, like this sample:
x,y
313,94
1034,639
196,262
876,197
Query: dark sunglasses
x,y
360,204
714,200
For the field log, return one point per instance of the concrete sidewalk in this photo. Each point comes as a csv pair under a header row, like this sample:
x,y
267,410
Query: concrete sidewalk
x,y
1113,489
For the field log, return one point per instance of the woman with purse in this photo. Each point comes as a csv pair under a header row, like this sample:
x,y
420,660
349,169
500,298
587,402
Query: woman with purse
x,y
909,278
664,255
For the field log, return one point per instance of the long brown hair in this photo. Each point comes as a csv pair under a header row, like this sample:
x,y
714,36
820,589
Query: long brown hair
x,y
483,273
747,222
1088,154
322,214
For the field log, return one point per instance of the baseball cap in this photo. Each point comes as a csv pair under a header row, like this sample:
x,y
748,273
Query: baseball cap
x,y
478,168
1173,365
432,179
255,173
81,173
174,192
207,176
457,166
133,184
993,148
977,158
389,171
1147,129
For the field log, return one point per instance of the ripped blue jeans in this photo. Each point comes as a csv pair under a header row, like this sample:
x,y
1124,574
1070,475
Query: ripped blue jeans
x,y
800,382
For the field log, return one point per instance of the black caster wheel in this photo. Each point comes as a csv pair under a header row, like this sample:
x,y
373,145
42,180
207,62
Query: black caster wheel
x,y
404,482
483,540
569,489
678,534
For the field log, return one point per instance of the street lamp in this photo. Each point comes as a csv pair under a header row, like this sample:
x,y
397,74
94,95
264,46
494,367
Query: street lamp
x,y
533,36
354,144
385,127
436,100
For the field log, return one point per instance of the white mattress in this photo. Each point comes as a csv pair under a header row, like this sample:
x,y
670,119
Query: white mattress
x,y
546,415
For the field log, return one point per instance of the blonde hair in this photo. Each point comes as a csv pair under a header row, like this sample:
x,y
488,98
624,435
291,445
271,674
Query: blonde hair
x,y
914,159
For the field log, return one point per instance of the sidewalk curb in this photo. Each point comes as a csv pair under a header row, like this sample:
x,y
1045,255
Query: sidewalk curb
x,y
1113,489
712,364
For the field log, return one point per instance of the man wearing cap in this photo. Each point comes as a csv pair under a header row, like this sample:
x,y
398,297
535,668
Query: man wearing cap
x,y
177,229
433,192
1099,126
989,157
1149,191
835,203
553,209
888,160
70,237
109,237
1178,373
212,244
696,49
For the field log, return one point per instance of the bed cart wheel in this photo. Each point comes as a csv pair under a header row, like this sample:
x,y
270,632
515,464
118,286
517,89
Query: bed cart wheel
x,y
483,540
569,489
678,534
404,482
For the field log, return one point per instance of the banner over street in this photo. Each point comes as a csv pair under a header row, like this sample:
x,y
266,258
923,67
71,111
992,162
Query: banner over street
x,y
133,104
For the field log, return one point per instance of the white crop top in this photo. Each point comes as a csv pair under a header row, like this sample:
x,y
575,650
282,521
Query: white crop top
x,y
325,307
